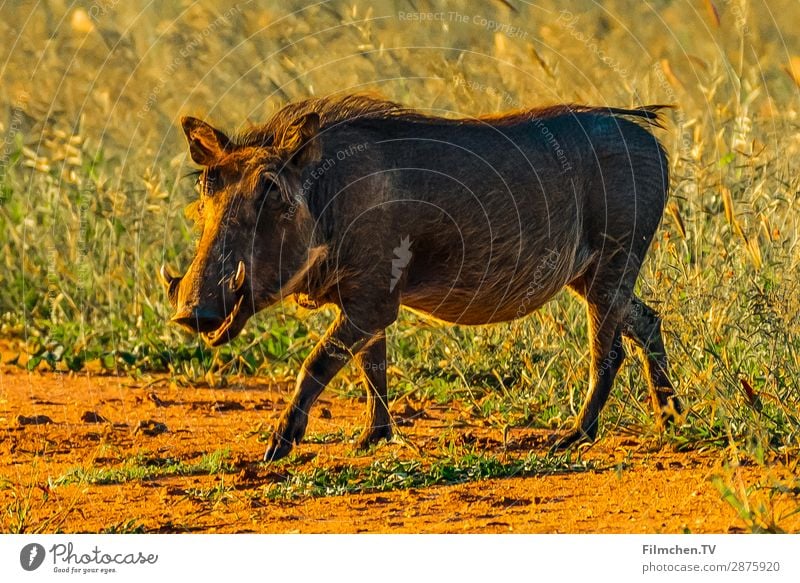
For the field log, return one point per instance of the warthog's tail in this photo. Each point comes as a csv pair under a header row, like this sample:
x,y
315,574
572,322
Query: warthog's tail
x,y
648,113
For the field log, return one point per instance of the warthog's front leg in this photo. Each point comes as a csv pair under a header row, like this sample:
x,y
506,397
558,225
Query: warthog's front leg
x,y
372,360
342,340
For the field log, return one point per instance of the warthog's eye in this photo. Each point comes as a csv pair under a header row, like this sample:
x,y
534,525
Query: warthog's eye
x,y
196,176
268,193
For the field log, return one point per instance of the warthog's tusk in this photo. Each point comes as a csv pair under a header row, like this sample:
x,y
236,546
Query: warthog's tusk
x,y
238,279
165,277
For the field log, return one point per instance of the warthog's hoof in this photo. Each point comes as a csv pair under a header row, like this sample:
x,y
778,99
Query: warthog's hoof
x,y
576,436
289,432
372,435
672,412
277,448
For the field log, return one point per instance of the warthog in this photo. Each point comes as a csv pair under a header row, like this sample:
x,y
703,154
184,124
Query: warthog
x,y
366,205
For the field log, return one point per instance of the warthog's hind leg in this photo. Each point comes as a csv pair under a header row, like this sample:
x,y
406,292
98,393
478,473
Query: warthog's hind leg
x,y
643,327
606,311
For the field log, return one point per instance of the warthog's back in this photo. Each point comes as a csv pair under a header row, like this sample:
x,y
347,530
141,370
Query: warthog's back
x,y
485,220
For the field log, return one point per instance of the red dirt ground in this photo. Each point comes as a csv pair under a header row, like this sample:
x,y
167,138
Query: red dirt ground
x,y
641,488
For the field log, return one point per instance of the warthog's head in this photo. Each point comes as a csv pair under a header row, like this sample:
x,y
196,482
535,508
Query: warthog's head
x,y
254,227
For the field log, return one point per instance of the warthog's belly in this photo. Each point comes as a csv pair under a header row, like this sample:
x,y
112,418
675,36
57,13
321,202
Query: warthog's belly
x,y
493,295
453,309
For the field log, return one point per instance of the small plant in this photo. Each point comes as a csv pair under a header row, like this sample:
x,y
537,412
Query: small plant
x,y
17,513
143,467
763,506
219,493
131,526
397,474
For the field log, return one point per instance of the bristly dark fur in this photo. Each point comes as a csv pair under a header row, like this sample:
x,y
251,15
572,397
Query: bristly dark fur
x,y
331,109
334,110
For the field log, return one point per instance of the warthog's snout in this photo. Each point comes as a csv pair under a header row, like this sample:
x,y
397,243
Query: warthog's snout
x,y
198,319
217,322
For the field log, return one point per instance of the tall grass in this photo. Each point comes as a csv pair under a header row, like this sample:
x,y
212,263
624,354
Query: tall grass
x,y
93,194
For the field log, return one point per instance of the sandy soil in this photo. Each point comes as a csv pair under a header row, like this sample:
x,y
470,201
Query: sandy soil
x,y
637,486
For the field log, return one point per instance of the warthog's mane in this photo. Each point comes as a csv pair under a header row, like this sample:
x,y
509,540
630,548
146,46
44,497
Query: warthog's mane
x,y
337,109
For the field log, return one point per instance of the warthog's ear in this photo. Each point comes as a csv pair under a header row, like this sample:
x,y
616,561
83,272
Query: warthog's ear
x,y
206,144
301,139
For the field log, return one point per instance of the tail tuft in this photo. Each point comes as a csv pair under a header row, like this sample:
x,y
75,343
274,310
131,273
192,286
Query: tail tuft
x,y
649,113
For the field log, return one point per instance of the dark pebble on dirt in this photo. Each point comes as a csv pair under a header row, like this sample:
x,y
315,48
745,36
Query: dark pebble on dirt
x,y
92,417
221,406
248,473
155,399
151,428
34,420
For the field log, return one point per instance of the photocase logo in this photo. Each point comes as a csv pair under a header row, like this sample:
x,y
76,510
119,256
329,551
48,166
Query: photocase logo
x,y
31,556
401,259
